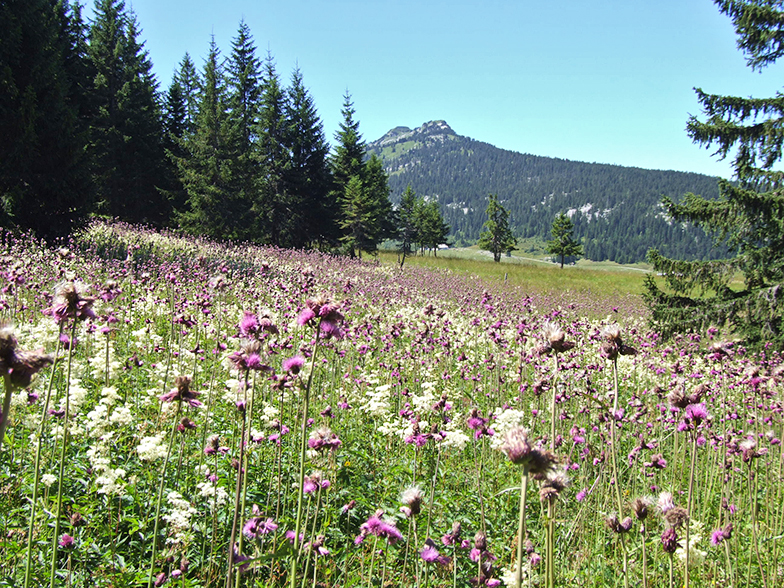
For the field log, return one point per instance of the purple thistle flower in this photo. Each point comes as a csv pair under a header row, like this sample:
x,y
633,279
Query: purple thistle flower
x,y
293,364
305,317
429,553
182,392
66,541
255,527
249,325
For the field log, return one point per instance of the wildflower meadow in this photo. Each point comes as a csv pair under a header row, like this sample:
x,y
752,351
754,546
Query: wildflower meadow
x,y
183,413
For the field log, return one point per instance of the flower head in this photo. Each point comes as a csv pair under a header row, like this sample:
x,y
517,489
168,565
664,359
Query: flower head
x,y
182,392
520,452
70,302
555,340
412,501
20,366
612,344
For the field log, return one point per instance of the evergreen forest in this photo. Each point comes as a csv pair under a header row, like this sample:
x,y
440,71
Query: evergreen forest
x,y
230,150
617,211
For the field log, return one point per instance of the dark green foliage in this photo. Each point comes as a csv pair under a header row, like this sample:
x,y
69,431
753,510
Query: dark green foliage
x,y
496,236
618,215
313,210
563,244
419,222
44,175
407,232
213,209
125,127
749,216
274,207
361,189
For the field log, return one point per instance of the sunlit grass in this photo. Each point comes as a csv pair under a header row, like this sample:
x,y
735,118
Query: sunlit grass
x,y
602,280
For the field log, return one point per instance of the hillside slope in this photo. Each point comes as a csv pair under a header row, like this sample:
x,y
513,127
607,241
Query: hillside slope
x,y
616,210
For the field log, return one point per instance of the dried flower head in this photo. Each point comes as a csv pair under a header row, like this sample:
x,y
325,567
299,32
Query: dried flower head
x,y
412,501
20,366
612,344
182,392
554,483
555,339
70,302
640,508
676,516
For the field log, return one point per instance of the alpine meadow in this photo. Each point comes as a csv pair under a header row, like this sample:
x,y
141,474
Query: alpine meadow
x,y
235,355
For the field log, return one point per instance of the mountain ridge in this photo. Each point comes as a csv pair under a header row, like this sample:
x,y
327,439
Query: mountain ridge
x,y
616,209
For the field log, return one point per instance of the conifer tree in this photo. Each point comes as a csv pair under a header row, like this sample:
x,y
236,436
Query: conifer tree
x,y
126,132
365,211
273,206
44,175
349,156
313,218
213,209
174,140
496,236
188,79
407,216
431,228
563,244
243,94
749,214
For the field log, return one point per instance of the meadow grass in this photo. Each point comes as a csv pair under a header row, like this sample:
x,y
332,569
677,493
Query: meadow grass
x,y
240,416
535,276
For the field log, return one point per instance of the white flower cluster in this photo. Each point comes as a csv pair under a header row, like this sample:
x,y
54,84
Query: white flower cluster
x,y
179,518
398,427
151,448
696,556
109,480
216,495
376,402
505,420
455,437
423,401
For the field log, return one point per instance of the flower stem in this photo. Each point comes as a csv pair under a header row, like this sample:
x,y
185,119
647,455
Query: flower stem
x,y
521,528
160,497
37,467
302,453
60,481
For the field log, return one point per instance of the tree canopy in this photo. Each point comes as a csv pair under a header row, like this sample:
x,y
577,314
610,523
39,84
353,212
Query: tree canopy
x,y
741,295
496,236
563,244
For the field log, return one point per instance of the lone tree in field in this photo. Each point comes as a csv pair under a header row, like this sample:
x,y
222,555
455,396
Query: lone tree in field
x,y
562,243
749,214
496,236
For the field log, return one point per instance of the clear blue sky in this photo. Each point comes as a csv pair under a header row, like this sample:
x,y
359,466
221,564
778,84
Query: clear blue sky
x,y
606,81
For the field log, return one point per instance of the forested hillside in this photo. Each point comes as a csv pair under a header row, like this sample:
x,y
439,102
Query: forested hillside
x,y
616,210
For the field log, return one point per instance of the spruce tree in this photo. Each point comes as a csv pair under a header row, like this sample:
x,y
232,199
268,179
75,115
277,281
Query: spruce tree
x,y
431,228
407,217
563,244
273,206
349,156
174,140
496,236
205,171
749,214
188,79
44,176
126,130
313,215
243,93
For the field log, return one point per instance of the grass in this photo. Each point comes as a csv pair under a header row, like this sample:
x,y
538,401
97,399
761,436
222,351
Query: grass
x,y
604,280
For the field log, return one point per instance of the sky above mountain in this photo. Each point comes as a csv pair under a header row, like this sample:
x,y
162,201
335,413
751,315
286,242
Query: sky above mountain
x,y
608,81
